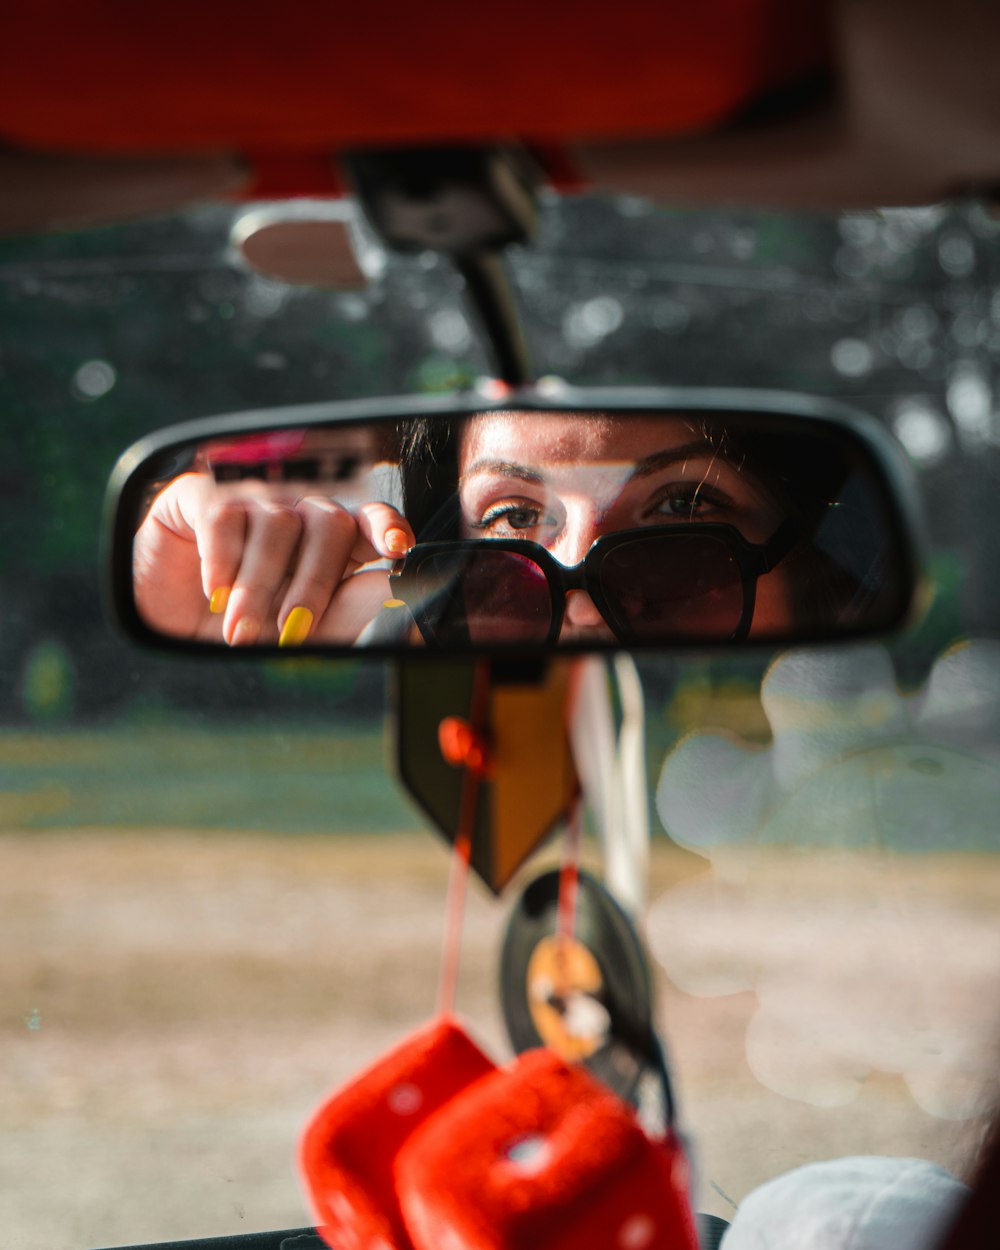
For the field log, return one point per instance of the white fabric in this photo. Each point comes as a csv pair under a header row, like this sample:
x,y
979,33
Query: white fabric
x,y
864,1203
612,772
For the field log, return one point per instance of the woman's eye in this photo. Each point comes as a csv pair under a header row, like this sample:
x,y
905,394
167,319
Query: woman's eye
x,y
511,516
687,503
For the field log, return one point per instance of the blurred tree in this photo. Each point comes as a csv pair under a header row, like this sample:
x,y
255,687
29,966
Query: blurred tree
x,y
108,334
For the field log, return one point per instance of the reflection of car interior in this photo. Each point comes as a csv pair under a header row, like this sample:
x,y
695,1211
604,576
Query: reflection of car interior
x,y
838,104
288,456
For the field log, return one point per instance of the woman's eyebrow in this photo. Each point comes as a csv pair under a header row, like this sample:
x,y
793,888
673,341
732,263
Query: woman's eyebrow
x,y
670,455
643,468
503,468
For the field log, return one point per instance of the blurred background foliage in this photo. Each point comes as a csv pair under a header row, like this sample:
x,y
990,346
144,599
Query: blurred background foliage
x,y
108,334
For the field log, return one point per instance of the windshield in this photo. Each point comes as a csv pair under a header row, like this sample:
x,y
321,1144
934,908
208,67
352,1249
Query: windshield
x,y
217,904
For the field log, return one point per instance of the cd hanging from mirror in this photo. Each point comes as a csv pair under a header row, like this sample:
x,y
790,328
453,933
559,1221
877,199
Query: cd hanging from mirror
x,y
586,995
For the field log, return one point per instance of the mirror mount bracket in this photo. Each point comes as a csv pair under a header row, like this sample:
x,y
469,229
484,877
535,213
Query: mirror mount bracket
x,y
469,204
453,200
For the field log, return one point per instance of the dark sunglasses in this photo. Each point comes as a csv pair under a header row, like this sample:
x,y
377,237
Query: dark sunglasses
x,y
661,584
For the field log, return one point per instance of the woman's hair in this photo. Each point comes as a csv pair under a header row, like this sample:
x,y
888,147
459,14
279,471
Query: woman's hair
x,y
428,459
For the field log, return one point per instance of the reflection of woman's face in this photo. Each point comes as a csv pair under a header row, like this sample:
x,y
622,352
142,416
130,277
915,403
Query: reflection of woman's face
x,y
564,481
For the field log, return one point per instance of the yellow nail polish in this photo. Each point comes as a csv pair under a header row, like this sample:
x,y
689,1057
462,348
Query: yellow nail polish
x,y
219,599
296,628
394,603
397,542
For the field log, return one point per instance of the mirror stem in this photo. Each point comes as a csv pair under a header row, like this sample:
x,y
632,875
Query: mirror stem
x,y
488,291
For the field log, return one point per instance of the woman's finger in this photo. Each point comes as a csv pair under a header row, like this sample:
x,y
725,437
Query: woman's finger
x,y
221,530
357,602
272,539
325,556
172,585
383,533
335,545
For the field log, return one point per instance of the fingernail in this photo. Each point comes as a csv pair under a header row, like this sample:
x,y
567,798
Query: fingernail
x,y
394,603
247,631
397,542
296,628
219,599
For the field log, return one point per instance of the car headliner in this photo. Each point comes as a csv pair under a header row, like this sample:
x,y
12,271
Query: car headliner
x,y
109,111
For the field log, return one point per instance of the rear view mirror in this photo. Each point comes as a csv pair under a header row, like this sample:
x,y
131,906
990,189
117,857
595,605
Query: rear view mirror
x,y
587,521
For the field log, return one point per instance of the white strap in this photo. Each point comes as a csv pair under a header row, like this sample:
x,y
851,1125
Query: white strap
x,y
613,775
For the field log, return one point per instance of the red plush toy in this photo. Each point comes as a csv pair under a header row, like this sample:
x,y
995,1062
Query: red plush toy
x,y
349,1150
436,1149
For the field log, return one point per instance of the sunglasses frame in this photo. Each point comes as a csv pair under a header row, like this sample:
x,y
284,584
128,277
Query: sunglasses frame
x,y
752,560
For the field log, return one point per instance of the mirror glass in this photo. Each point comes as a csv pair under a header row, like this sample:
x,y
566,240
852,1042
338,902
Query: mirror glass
x,y
509,528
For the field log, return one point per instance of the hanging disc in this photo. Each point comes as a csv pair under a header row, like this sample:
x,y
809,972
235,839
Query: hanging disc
x,y
588,997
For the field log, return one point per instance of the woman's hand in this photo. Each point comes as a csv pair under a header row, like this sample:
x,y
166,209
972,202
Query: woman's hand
x,y
242,563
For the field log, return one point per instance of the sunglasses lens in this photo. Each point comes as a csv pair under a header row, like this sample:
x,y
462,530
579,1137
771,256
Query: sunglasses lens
x,y
480,596
682,587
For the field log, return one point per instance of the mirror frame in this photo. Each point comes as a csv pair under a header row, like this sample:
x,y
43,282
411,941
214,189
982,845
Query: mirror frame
x,y
130,477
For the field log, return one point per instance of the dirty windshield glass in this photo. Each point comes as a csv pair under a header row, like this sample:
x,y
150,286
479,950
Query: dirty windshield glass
x,y
217,904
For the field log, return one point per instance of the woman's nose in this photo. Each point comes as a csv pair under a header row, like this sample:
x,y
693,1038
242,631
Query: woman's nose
x,y
582,525
581,612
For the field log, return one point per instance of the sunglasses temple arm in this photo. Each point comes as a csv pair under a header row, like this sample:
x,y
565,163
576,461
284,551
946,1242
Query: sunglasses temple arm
x,y
779,544
771,553
425,615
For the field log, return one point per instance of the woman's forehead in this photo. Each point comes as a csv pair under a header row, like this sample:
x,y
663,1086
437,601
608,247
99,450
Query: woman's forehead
x,y
539,439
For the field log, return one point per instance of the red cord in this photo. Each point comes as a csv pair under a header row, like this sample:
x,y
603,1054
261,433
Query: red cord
x,y
569,874
457,878
475,764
